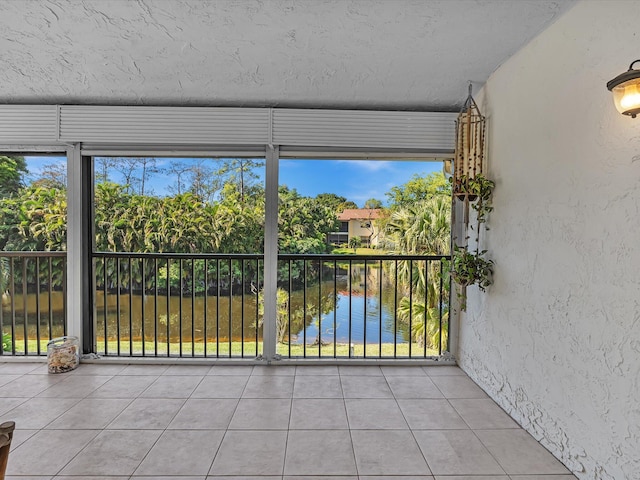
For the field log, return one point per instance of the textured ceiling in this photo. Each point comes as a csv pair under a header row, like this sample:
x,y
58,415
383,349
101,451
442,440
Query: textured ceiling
x,y
384,54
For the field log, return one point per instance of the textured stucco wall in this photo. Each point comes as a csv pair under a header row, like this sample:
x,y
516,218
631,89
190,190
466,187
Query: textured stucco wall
x,y
556,339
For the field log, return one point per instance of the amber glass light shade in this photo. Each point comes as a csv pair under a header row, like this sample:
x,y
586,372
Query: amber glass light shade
x,y
626,91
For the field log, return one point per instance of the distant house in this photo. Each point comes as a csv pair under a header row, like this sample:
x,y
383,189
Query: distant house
x,y
357,222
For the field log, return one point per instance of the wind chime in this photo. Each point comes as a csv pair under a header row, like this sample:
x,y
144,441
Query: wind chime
x,y
469,151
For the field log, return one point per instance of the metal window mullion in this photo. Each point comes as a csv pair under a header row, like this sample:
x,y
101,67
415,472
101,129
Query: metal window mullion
x,y
270,253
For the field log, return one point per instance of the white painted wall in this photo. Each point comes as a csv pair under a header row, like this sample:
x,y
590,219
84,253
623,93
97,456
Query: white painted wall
x,y
556,339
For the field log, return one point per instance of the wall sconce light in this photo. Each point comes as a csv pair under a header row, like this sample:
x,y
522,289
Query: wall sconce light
x,y
626,91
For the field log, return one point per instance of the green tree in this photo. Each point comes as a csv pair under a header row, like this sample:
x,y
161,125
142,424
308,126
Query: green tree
x,y
12,172
373,203
336,202
418,189
242,172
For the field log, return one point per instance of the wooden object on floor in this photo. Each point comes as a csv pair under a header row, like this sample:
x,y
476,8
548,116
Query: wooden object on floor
x,y
6,435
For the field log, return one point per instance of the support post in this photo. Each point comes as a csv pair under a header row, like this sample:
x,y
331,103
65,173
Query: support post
x,y
79,241
270,254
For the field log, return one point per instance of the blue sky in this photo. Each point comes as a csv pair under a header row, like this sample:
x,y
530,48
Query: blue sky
x,y
357,180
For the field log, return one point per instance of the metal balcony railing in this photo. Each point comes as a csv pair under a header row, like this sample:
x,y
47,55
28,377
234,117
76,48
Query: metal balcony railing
x,y
33,287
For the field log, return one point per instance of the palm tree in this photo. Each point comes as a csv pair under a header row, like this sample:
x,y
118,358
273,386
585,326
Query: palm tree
x,y
422,229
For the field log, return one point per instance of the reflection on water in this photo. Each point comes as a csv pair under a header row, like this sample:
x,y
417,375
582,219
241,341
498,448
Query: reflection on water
x,y
347,316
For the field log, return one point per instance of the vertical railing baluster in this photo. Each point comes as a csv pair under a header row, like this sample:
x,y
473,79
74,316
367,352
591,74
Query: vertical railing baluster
x,y
364,312
105,304
242,307
289,305
319,308
230,339
155,307
118,288
12,280
349,280
426,307
50,290
38,305
64,296
130,269
440,300
181,293
380,278
206,305
335,308
193,307
1,324
395,311
217,307
142,306
410,305
168,325
304,308
257,306
25,306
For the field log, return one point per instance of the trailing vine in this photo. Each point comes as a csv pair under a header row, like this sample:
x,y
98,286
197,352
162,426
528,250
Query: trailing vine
x,y
470,267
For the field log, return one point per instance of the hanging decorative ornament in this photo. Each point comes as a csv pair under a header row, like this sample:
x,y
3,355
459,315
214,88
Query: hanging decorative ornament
x,y
469,150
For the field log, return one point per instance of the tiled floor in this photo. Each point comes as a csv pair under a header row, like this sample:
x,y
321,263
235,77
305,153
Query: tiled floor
x,y
244,422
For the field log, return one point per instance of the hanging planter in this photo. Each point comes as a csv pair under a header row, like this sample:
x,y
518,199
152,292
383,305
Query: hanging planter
x,y
469,150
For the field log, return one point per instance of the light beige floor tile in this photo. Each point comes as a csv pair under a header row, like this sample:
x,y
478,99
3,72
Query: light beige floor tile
x,y
413,387
98,369
456,452
129,447
46,452
261,414
205,414
14,368
29,477
90,413
237,370
4,379
319,452
8,404
29,385
43,369
21,436
440,370
36,413
388,452
129,386
457,386
188,370
172,386
542,477
474,477
194,449
431,414
274,370
403,370
395,477
147,413
269,386
250,453
144,370
374,414
312,414
222,386
242,477
519,453
92,477
163,477
316,370
360,370
482,413
365,387
321,477
75,386
317,386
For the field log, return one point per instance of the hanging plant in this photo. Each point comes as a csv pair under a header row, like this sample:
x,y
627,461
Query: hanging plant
x,y
471,267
